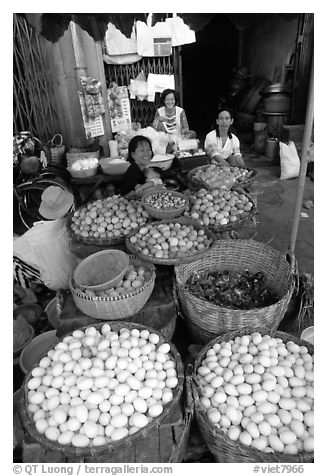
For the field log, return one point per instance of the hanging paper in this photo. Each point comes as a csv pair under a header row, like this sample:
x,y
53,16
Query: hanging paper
x,y
119,107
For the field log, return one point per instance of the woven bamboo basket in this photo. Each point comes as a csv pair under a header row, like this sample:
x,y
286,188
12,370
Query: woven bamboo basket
x,y
196,184
172,261
106,453
163,214
206,320
221,446
243,218
119,240
115,308
57,150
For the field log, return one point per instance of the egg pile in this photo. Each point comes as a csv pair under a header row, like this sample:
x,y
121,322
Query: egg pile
x,y
218,207
169,240
109,218
135,278
85,164
164,201
98,386
259,390
240,174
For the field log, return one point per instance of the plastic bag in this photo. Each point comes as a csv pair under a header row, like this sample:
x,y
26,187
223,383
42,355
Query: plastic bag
x,y
46,247
139,87
289,161
159,140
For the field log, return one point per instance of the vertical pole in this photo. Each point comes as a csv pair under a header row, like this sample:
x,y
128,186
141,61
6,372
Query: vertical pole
x,y
180,75
303,167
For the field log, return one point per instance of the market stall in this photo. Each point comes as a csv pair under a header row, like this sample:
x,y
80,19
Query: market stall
x,y
129,282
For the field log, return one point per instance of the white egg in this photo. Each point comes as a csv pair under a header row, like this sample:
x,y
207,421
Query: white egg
x,y
81,413
287,403
45,362
167,396
34,383
119,433
145,392
94,415
59,415
52,433
65,438
99,441
41,425
214,415
80,440
245,438
234,432
275,443
257,417
140,405
155,410
115,399
253,430
308,418
138,420
90,429
308,444
73,424
115,410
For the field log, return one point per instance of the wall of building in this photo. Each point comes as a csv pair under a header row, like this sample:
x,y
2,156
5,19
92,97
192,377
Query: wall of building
x,y
268,42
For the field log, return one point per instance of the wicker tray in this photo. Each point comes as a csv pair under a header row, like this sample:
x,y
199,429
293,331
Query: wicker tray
x,y
172,261
163,214
115,308
245,217
195,184
207,320
112,447
221,446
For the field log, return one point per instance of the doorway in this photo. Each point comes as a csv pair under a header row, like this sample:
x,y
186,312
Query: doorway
x,y
207,66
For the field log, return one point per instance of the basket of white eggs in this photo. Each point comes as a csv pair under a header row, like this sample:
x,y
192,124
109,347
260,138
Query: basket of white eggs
x,y
254,398
101,389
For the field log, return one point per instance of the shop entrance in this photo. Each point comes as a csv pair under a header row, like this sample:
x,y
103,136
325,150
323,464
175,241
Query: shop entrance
x,y
207,66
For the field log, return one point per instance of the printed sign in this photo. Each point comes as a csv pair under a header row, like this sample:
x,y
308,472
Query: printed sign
x,y
119,107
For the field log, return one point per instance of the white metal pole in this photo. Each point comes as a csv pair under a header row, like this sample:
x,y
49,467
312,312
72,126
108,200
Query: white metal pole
x,y
304,161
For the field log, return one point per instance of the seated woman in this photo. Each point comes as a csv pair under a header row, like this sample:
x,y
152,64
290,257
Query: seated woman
x,y
170,118
135,178
221,145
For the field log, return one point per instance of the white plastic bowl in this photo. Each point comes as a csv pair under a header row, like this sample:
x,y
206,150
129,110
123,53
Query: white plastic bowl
x,y
163,161
308,335
113,165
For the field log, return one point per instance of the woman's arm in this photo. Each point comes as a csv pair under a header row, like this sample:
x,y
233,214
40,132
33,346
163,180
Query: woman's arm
x,y
157,122
184,122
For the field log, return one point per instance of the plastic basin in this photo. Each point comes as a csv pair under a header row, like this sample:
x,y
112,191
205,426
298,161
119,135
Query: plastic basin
x,y
33,351
308,334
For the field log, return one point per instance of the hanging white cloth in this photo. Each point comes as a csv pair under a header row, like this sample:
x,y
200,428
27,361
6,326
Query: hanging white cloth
x,y
117,43
158,82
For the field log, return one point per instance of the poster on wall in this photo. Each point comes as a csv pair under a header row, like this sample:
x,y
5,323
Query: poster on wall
x,y
119,107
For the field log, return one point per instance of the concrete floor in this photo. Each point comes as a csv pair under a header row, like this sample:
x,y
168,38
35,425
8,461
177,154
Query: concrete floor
x,y
276,200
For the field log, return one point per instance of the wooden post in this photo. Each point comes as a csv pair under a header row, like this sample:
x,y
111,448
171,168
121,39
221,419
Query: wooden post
x,y
303,167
